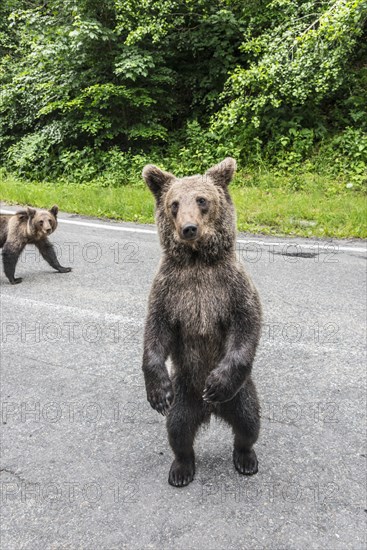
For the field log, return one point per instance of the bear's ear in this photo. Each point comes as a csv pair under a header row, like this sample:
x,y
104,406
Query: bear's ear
x,y
222,173
31,212
22,215
156,179
54,210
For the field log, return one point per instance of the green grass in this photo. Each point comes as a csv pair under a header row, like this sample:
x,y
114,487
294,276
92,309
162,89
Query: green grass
x,y
305,205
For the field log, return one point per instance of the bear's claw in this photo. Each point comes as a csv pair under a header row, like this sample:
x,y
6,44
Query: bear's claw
x,y
245,462
160,400
181,473
217,389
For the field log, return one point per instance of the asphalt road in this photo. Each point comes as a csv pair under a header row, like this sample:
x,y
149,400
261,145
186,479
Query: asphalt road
x,y
85,459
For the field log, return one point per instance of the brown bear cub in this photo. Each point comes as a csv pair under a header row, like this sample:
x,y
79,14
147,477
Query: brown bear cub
x,y
205,313
28,227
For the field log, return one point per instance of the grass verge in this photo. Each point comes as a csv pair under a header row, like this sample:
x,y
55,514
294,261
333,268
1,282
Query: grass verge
x,y
265,204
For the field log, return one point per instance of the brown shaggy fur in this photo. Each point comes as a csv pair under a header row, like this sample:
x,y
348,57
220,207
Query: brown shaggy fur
x,y
205,313
28,226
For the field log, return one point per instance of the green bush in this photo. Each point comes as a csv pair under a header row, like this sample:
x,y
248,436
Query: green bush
x,y
93,89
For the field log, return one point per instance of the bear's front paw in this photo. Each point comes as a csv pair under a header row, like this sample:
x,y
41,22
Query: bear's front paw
x,y
160,396
218,388
64,269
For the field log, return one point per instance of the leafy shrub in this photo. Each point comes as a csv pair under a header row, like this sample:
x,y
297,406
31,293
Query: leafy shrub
x,y
94,89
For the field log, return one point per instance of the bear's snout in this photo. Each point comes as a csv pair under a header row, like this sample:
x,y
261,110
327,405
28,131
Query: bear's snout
x,y
189,231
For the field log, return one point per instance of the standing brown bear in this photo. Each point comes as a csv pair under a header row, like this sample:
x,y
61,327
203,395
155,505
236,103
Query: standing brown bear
x,y
28,226
205,313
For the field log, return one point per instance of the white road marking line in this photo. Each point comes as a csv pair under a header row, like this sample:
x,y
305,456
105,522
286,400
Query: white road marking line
x,y
316,246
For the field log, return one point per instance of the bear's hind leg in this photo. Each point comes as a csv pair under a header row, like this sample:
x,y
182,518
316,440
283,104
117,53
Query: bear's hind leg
x,y
242,413
183,421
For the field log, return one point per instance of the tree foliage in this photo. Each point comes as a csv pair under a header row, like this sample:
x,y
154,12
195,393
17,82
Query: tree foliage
x,y
84,83
303,77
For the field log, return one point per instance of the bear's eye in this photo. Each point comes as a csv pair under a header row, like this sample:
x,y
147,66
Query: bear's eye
x,y
174,207
201,202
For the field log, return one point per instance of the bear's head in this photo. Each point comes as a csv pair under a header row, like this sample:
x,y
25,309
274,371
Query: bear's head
x,y
195,214
41,223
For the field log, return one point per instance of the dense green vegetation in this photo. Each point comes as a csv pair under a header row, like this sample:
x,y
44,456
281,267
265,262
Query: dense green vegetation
x,y
91,90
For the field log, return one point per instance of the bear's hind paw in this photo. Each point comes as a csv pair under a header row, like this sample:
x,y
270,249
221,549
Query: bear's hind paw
x,y
16,281
181,473
245,462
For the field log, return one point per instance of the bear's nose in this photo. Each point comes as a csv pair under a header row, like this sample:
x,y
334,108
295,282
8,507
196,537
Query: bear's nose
x,y
189,231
